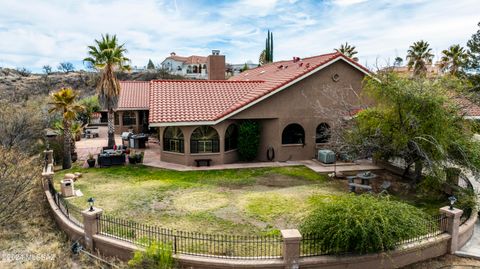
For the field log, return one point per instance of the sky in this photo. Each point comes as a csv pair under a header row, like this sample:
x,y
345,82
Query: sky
x,y
34,33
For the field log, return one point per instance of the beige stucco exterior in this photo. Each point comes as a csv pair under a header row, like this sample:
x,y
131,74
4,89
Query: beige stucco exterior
x,y
316,99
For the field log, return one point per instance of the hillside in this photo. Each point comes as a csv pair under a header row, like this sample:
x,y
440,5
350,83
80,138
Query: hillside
x,y
18,86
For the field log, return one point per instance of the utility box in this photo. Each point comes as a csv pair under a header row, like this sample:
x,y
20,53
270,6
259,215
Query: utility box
x,y
66,187
326,156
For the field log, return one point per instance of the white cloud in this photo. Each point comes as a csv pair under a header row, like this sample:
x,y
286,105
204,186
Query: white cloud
x,y
34,33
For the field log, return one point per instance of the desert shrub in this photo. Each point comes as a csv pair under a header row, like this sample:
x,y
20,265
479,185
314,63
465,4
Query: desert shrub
x,y
22,125
19,174
467,200
24,72
363,224
248,140
157,255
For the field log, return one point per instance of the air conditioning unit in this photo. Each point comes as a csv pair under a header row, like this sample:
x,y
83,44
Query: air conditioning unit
x,y
326,156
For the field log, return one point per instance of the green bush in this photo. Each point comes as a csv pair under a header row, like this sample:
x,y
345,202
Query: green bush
x,y
248,140
157,255
363,224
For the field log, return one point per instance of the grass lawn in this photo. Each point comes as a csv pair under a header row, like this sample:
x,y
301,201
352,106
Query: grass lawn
x,y
240,201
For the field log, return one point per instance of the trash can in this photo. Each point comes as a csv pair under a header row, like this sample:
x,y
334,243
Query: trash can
x,y
66,187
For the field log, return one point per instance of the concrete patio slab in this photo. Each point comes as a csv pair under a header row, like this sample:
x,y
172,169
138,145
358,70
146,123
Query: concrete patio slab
x,y
152,158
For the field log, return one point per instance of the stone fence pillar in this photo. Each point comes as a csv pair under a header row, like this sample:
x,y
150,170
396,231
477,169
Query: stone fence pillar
x,y
48,156
453,226
90,225
291,248
47,174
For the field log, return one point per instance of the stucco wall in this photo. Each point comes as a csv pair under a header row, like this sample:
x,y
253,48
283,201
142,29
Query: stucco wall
x,y
313,100
188,158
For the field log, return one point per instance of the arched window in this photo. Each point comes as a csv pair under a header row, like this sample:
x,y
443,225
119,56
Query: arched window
x,y
293,134
195,69
173,140
204,140
129,118
323,133
231,137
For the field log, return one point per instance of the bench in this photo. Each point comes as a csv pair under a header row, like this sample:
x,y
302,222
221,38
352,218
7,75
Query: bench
x,y
203,161
361,186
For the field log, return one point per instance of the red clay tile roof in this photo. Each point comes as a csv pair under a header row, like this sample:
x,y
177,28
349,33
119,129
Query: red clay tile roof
x,y
134,95
194,59
207,101
195,100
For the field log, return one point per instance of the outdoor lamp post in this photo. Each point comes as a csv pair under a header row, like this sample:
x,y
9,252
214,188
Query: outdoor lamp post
x,y
91,201
452,200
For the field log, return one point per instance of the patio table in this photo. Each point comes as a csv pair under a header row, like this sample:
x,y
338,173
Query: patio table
x,y
366,176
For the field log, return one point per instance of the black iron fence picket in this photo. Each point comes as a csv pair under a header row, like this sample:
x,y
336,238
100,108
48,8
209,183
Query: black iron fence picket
x,y
193,243
69,210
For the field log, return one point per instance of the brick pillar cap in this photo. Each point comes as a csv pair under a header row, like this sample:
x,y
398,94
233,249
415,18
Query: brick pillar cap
x,y
96,211
454,212
291,234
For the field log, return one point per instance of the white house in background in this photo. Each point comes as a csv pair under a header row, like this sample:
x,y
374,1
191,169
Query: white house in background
x,y
191,67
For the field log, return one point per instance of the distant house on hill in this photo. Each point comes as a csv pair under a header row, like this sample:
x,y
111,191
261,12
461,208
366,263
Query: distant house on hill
x,y
433,70
191,66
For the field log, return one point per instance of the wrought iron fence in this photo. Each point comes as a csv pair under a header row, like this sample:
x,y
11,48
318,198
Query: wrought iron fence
x,y
311,244
69,210
193,243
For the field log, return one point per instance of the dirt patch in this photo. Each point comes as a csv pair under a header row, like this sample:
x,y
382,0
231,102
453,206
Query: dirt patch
x,y
200,200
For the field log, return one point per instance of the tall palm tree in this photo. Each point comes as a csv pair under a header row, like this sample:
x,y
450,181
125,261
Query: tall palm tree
x,y
453,59
348,50
419,56
108,56
64,102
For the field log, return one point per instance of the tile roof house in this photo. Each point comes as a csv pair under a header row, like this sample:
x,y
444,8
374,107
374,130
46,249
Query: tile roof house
x,y
295,102
292,101
133,107
191,66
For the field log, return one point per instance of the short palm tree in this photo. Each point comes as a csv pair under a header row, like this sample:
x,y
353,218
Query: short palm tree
x,y
348,50
64,102
108,56
453,59
419,56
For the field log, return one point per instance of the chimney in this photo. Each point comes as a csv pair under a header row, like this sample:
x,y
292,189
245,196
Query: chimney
x,y
216,66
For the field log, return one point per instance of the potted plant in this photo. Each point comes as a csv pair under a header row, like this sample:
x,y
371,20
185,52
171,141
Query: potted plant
x,y
140,157
132,158
91,160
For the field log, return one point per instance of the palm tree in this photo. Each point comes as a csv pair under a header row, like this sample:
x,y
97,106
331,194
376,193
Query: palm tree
x,y
64,102
453,59
348,51
398,61
108,56
419,56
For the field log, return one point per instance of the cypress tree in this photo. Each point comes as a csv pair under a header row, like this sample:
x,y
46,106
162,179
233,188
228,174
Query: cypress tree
x,y
150,64
267,48
271,47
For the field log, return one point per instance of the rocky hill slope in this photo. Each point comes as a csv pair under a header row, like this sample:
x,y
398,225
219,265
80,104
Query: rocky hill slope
x,y
18,85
